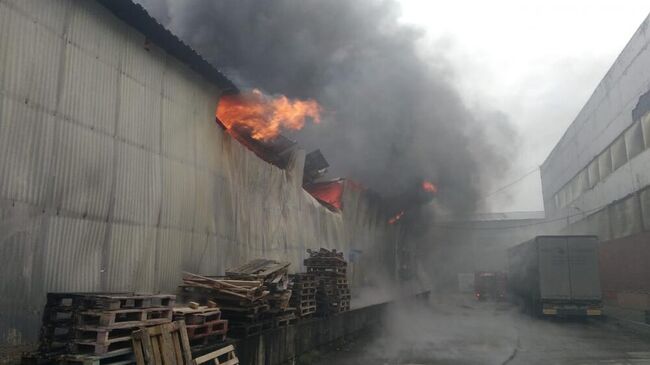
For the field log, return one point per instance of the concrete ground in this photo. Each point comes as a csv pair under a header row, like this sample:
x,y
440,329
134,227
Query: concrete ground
x,y
467,332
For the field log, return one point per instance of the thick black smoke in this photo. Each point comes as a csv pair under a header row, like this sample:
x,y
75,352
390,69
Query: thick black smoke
x,y
391,119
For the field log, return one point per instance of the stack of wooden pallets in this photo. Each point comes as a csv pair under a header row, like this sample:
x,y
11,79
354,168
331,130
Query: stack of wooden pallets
x,y
203,324
303,294
252,297
88,327
329,269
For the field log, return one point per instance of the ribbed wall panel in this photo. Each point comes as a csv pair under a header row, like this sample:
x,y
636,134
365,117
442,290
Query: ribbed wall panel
x,y
131,258
143,62
21,303
138,185
139,114
88,29
52,16
177,132
169,259
26,139
73,255
23,41
90,91
206,201
84,170
181,84
208,137
178,190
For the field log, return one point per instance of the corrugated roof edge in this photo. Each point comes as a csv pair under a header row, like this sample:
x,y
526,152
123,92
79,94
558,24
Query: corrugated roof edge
x,y
137,17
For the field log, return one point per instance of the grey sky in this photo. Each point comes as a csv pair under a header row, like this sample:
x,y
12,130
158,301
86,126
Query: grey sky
x,y
537,61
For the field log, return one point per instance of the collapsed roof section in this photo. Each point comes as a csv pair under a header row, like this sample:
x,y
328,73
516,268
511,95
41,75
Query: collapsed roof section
x,y
328,193
276,151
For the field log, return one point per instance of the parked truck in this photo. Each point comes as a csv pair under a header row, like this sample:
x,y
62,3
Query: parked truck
x,y
556,275
490,285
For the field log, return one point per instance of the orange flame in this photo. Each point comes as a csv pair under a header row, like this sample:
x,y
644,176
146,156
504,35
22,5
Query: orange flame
x,y
265,116
429,187
397,217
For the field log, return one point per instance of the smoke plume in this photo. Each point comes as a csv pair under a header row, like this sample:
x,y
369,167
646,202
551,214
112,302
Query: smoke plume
x,y
391,117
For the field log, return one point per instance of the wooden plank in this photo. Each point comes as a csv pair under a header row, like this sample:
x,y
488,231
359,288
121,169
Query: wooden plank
x,y
155,345
176,340
185,342
167,347
137,350
213,355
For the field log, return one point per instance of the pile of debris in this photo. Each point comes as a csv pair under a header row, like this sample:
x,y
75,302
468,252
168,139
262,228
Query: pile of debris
x,y
88,327
333,291
253,297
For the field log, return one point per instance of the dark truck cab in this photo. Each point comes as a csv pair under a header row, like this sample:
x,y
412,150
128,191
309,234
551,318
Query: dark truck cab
x,y
556,275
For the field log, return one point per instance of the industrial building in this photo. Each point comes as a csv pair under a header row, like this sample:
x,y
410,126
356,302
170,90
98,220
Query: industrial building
x,y
597,178
114,175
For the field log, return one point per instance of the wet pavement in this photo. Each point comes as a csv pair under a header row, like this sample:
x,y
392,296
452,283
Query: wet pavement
x,y
469,332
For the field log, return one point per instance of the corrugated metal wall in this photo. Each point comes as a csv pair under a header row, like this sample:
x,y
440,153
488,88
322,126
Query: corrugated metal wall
x,y
114,175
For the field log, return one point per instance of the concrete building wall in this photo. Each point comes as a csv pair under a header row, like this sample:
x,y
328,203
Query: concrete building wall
x,y
597,179
114,175
603,156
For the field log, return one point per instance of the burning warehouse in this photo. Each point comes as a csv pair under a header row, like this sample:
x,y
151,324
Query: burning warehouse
x,y
116,178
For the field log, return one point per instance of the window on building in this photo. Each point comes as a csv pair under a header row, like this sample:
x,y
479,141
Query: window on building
x,y
645,125
634,140
580,183
619,153
604,164
593,173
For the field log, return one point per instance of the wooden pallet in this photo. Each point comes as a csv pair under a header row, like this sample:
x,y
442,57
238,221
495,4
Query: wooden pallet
x,y
195,316
240,330
326,270
100,348
164,344
101,334
109,301
219,326
119,357
124,318
306,311
223,356
286,320
208,340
